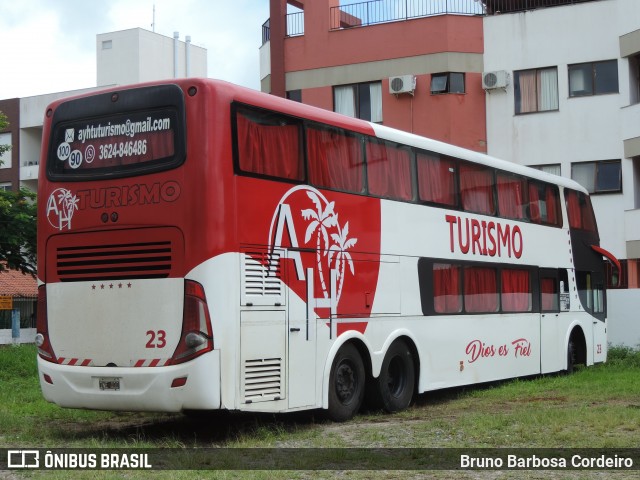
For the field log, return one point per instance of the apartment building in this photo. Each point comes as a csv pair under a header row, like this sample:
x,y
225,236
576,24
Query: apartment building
x,y
552,84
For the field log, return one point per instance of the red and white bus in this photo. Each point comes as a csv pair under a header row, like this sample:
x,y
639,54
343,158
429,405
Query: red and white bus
x,y
205,246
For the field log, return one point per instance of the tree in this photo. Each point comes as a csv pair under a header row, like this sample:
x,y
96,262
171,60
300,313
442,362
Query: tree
x,y
4,123
18,212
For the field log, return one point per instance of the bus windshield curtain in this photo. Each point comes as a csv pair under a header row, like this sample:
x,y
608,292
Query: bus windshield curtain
x,y
269,149
335,160
446,288
389,171
516,295
511,197
436,179
579,211
480,290
476,189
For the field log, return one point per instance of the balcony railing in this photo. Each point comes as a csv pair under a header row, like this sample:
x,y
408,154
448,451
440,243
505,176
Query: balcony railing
x,y
266,31
295,26
383,11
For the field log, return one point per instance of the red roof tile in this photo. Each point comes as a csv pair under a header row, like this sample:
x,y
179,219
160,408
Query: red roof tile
x,y
17,284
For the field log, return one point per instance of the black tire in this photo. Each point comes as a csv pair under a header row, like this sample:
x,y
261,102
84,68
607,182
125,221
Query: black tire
x,y
346,384
571,357
394,387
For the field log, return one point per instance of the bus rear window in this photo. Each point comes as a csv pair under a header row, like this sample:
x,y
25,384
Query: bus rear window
x,y
131,132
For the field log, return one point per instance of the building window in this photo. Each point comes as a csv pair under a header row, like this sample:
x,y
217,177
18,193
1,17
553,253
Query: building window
x,y
5,186
449,82
634,69
598,177
360,100
295,95
594,78
536,90
553,168
107,44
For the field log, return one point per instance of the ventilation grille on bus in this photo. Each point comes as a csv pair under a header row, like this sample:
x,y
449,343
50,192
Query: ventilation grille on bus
x,y
261,278
262,379
117,261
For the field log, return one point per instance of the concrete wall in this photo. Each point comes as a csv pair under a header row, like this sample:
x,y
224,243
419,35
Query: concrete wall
x,y
624,322
27,335
137,55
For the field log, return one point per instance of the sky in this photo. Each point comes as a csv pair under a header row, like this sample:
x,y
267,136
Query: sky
x,y
49,46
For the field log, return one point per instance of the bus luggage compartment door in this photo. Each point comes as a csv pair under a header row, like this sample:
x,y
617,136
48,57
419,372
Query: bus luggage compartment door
x,y
262,355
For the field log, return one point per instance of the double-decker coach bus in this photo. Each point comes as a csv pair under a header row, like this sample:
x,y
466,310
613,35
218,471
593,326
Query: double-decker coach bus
x,y
204,246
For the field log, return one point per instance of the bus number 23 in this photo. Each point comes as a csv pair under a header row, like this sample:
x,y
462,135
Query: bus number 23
x,y
156,339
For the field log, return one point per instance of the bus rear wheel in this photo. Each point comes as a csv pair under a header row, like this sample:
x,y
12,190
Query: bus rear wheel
x,y
346,384
393,389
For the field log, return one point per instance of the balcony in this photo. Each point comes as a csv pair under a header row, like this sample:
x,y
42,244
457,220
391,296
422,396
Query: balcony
x,y
295,26
383,11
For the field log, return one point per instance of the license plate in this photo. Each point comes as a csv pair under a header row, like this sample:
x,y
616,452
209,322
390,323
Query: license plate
x,y
109,383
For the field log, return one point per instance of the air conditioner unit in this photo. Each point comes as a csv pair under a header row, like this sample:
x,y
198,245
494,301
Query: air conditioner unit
x,y
493,80
402,84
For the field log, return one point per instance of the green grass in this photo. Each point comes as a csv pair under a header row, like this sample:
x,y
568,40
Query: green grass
x,y
595,407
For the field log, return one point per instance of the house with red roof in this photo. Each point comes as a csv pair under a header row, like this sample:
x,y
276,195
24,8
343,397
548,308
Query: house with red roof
x,y
19,300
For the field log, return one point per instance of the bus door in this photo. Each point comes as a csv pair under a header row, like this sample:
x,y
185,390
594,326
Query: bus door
x,y
302,349
592,295
554,299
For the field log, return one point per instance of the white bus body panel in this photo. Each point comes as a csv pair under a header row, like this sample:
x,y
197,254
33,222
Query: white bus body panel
x,y
140,389
123,323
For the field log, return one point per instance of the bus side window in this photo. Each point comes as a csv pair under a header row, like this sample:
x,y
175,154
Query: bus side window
x,y
476,189
335,159
549,293
544,204
565,297
388,170
480,289
511,196
447,291
437,182
268,144
591,291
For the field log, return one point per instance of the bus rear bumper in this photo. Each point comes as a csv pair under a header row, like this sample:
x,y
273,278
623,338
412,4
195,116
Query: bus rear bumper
x,y
157,389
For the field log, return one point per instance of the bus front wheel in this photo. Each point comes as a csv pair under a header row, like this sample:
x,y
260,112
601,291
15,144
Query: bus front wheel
x,y
346,384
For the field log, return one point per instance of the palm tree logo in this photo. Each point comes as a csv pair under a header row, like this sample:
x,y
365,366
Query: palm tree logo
x,y
324,223
332,240
61,206
339,249
322,219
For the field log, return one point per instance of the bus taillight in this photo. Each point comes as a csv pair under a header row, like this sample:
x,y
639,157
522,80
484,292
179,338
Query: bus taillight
x,y
197,335
42,327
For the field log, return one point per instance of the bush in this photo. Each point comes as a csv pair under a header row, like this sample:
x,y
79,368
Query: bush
x,y
624,356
